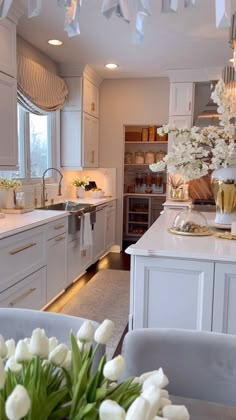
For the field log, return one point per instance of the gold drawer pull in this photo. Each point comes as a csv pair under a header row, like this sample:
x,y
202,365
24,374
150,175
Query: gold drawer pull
x,y
60,238
24,295
23,248
59,227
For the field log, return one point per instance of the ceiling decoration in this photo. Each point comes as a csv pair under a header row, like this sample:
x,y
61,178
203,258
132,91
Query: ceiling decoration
x,y
120,8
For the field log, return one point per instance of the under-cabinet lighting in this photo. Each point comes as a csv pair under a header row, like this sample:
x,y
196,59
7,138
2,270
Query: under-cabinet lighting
x,y
231,60
111,66
55,42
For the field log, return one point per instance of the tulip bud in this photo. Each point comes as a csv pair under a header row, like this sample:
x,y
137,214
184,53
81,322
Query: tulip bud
x,y
58,355
18,403
53,343
85,347
11,347
39,344
139,410
114,368
176,412
86,332
158,379
22,353
110,410
3,347
153,396
165,401
13,365
164,393
2,374
104,332
68,361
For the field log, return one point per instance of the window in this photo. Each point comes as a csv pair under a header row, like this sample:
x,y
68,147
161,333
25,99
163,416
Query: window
x,y
36,145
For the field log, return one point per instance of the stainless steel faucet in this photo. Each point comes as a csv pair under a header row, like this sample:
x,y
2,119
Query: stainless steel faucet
x,y
44,196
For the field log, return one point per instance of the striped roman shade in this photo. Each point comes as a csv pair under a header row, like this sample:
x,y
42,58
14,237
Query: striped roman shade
x,y
39,90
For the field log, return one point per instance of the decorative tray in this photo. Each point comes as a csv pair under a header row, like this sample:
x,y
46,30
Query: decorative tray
x,y
178,232
17,211
224,235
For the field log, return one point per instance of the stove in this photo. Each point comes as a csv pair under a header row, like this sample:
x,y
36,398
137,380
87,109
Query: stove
x,y
202,204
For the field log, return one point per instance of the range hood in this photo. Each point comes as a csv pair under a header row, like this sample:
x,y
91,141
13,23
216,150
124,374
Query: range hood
x,y
206,110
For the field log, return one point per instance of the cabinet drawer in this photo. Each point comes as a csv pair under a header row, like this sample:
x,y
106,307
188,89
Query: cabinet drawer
x,y
29,293
57,227
20,255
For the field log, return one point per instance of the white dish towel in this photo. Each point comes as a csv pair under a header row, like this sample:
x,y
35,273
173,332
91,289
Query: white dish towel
x,y
86,239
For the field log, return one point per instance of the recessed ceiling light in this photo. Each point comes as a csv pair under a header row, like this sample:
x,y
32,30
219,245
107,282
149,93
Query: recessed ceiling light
x,y
231,60
55,42
111,66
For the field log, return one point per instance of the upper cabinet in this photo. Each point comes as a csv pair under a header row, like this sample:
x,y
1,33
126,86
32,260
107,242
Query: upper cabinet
x,y
181,99
90,98
8,47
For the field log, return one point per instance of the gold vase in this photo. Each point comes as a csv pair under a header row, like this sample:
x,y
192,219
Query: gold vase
x,y
223,183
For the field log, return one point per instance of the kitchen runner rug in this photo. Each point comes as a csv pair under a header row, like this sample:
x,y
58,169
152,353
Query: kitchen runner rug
x,y
105,296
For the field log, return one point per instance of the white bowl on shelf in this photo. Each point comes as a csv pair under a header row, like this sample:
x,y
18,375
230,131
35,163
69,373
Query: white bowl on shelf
x,y
97,194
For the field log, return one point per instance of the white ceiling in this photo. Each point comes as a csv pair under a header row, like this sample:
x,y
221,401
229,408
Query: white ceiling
x,y
184,40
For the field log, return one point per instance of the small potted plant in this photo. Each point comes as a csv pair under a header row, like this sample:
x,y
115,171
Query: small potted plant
x,y
8,186
80,184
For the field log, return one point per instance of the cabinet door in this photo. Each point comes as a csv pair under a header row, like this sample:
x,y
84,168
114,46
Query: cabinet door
x,y
86,258
56,266
181,98
224,308
74,98
90,141
110,231
71,139
179,122
90,98
73,259
8,47
99,233
170,293
29,293
8,122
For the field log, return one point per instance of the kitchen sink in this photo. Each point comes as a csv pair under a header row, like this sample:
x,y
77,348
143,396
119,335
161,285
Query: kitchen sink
x,y
76,211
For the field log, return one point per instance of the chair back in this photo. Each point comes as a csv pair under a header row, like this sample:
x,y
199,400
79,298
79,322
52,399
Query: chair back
x,y
199,364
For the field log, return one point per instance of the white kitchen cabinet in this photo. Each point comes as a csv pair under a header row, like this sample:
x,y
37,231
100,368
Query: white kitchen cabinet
x,y
74,268
74,98
110,225
56,261
90,98
171,293
181,99
224,308
86,258
29,293
8,122
79,140
99,232
8,47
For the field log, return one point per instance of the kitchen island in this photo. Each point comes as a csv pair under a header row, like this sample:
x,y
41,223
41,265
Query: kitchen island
x,y
182,281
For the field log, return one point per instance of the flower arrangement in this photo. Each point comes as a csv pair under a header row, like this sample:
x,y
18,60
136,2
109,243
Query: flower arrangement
x,y
80,182
8,183
42,379
198,150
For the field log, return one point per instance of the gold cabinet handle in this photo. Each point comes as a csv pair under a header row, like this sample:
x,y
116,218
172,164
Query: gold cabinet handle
x,y
189,105
92,156
59,227
93,107
22,248
21,297
60,238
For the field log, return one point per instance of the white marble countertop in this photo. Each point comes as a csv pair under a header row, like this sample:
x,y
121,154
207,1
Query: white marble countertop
x,y
16,223
158,242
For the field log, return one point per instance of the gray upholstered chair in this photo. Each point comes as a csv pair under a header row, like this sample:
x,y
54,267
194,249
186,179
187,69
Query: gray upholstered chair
x,y
198,364
19,323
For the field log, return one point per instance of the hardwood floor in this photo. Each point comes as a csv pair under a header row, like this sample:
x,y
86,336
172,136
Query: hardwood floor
x,y
114,261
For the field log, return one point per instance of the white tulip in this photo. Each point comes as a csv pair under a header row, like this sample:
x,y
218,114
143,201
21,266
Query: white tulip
x,y
27,341
153,396
68,361
3,347
135,381
139,410
22,353
164,402
158,379
110,410
11,347
164,393
58,355
39,343
113,385
160,418
2,374
104,332
86,332
85,347
146,375
114,368
176,412
13,365
18,403
53,343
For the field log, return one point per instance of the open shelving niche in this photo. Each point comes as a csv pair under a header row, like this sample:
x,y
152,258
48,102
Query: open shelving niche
x,y
141,209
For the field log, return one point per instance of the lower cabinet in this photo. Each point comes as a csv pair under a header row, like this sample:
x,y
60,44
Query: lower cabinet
x,y
73,258
99,233
56,265
110,225
29,293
